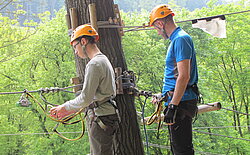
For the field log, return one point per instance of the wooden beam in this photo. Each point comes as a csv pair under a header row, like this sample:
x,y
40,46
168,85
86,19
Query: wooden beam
x,y
201,109
118,74
118,18
75,81
209,107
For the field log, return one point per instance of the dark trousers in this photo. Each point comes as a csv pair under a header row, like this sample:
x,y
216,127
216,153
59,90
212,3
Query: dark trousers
x,y
181,132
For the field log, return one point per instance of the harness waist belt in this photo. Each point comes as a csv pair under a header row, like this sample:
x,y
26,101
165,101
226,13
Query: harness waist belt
x,y
98,103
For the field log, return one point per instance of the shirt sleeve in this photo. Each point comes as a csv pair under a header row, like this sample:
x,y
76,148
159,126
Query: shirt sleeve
x,y
183,49
91,83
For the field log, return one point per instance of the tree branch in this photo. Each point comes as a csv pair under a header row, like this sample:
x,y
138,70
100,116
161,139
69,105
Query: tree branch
x,y
6,5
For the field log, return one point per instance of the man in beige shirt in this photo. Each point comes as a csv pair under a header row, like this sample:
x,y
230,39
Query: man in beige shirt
x,y
96,96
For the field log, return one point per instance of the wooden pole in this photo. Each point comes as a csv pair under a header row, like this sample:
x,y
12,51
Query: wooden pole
x,y
73,18
67,17
92,14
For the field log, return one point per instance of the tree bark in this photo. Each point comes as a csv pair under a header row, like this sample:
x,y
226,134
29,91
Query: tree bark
x,y
128,139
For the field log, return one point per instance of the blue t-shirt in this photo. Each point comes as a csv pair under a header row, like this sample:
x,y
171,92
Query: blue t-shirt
x,y
180,48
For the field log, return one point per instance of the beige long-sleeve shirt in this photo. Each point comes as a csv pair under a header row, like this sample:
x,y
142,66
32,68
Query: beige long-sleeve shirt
x,y
99,84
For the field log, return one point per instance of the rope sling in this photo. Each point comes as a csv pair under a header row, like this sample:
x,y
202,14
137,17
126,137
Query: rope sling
x,y
64,120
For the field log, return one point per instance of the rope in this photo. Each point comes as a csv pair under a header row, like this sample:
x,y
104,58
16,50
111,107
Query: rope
x,y
168,147
220,127
45,133
211,134
213,16
235,111
144,124
14,134
52,89
221,135
61,121
139,28
215,127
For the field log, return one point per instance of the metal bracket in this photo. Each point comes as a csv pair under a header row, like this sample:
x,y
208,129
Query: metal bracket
x,y
125,81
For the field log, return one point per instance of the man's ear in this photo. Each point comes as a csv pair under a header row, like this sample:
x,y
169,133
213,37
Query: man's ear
x,y
159,23
84,41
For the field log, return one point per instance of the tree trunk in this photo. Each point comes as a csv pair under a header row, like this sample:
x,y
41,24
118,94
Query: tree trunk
x,y
128,139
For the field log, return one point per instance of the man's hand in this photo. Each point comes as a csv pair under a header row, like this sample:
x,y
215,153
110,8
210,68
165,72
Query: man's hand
x,y
60,112
170,114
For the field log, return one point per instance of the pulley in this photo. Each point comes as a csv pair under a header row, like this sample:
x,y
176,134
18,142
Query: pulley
x,y
23,101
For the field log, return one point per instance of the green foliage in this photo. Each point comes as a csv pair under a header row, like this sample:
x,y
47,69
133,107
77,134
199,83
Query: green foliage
x,y
43,58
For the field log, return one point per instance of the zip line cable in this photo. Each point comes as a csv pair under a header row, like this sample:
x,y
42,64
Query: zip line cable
x,y
235,111
9,134
56,89
20,134
51,89
221,127
45,133
168,147
139,28
215,127
212,134
221,135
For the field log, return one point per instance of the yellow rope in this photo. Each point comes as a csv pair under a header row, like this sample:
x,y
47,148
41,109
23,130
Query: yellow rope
x,y
63,120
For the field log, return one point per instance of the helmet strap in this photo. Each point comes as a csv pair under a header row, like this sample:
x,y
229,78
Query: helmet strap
x,y
84,50
164,30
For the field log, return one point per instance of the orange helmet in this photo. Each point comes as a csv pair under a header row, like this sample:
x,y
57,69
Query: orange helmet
x,y
159,12
84,30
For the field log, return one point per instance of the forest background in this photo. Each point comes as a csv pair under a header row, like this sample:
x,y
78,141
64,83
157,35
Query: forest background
x,y
35,53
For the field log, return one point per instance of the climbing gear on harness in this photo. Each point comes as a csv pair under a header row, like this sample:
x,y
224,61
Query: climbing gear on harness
x,y
84,30
94,118
195,89
63,120
170,113
159,12
110,101
156,116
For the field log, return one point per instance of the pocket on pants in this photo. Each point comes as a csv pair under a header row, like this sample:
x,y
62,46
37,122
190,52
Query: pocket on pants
x,y
111,121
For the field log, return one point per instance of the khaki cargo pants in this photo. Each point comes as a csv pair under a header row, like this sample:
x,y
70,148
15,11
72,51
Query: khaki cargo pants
x,y
102,140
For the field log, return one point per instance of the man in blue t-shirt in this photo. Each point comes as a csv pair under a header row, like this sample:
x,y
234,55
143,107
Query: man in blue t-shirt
x,y
180,77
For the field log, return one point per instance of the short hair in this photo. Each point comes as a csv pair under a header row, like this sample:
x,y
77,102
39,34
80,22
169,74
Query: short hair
x,y
91,39
168,18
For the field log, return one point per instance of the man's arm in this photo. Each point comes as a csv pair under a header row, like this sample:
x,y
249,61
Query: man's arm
x,y
182,80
